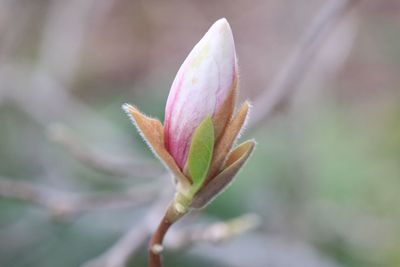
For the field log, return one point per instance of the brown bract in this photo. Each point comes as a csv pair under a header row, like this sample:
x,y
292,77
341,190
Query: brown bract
x,y
225,163
223,116
152,132
225,143
235,161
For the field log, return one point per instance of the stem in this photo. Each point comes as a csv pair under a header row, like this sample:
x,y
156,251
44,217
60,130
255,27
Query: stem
x,y
175,211
156,242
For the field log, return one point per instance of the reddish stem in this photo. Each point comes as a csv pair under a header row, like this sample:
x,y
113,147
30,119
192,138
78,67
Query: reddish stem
x,y
156,242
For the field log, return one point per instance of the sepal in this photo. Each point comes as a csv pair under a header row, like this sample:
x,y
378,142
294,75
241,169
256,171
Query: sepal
x,y
233,164
152,132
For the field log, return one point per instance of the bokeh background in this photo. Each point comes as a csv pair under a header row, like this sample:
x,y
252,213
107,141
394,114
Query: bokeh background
x,y
324,180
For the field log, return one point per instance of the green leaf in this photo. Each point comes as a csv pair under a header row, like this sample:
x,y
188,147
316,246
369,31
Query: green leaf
x,y
200,153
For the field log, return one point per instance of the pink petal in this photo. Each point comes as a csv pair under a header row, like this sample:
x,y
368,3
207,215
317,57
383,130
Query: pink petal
x,y
201,86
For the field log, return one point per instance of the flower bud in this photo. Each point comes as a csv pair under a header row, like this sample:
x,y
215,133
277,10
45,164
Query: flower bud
x,y
205,86
196,142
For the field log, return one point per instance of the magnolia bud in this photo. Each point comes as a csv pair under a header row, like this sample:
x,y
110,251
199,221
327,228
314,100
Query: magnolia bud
x,y
204,83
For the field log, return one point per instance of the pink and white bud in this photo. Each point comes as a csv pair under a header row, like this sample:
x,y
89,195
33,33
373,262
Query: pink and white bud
x,y
201,88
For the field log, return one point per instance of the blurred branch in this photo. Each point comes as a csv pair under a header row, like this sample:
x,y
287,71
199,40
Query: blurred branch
x,y
214,233
66,26
71,17
125,249
128,245
66,204
296,66
126,167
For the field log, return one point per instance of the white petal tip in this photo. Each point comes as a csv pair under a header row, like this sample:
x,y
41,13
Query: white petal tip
x,y
222,21
221,25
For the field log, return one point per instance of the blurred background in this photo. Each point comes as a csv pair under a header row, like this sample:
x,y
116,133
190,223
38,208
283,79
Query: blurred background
x,y
75,177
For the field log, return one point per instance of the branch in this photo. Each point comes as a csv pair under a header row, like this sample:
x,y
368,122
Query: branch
x,y
214,233
156,242
64,204
299,61
125,167
128,245
126,248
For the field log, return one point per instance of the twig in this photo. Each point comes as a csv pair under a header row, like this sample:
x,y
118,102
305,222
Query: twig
x,y
124,167
156,242
214,233
125,249
295,68
65,21
174,212
65,204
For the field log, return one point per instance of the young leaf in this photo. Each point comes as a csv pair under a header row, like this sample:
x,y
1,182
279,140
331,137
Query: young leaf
x,y
200,153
